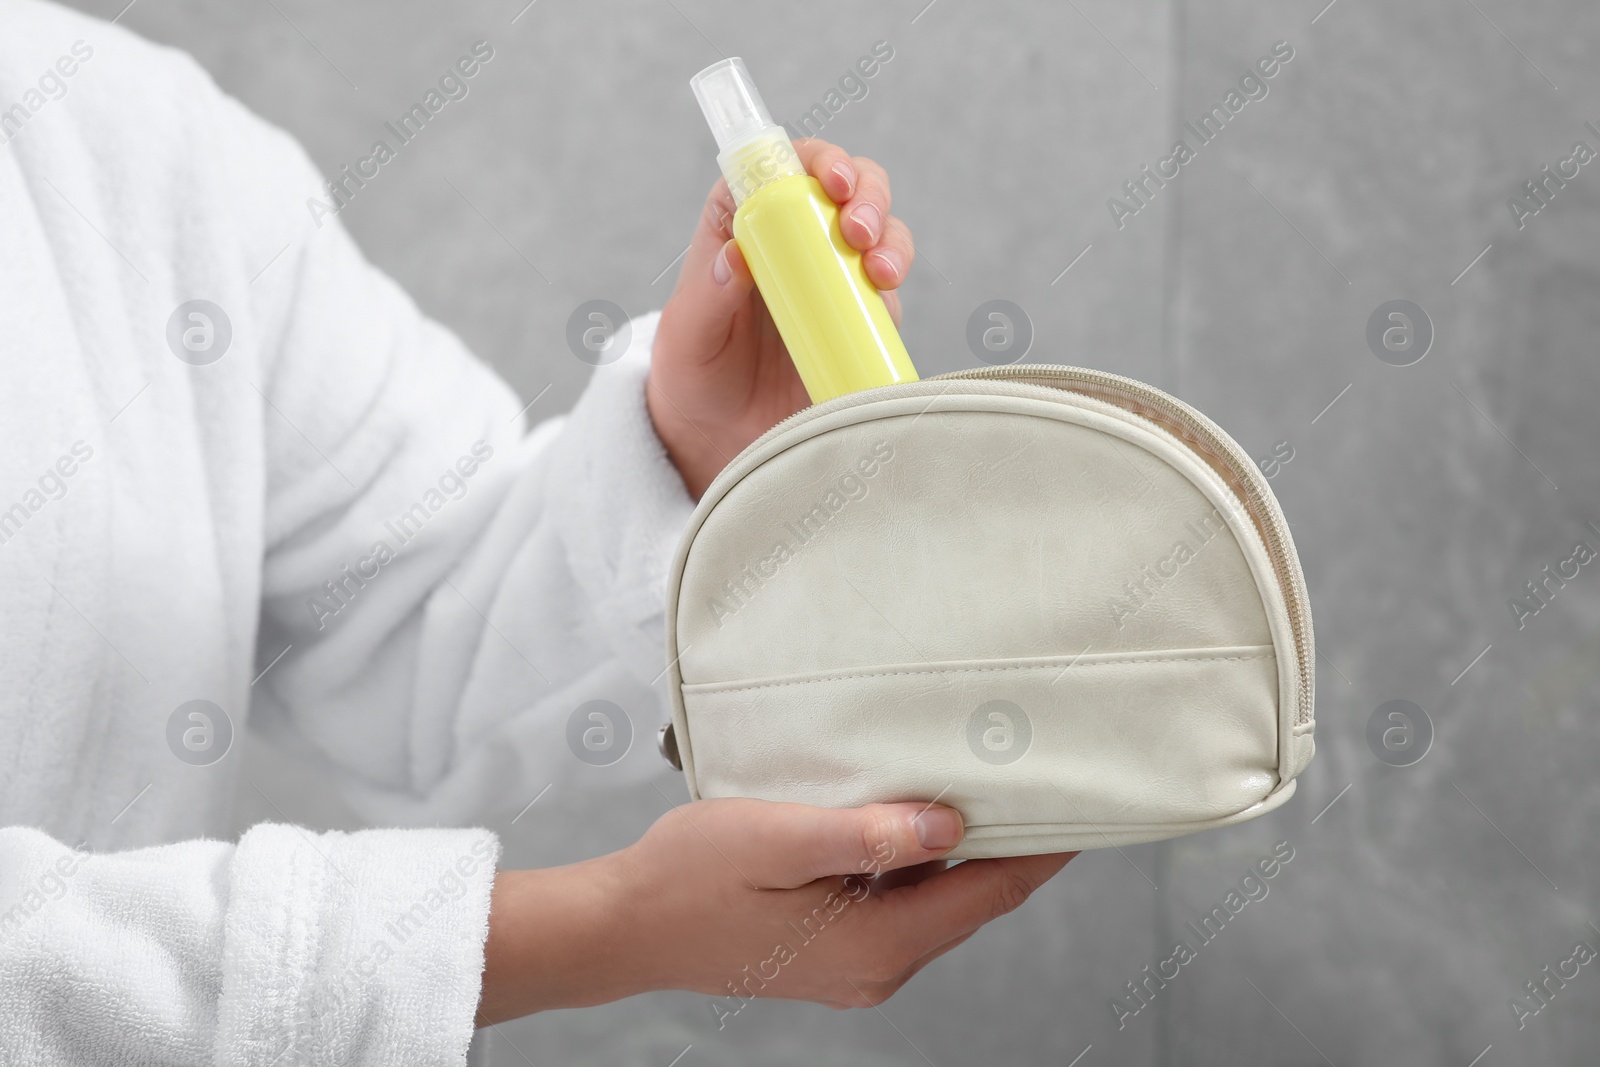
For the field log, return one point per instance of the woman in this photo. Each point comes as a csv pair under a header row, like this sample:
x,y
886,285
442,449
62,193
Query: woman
x,y
242,472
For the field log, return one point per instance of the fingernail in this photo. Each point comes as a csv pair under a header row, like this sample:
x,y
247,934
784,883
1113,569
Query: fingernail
x,y
869,218
891,262
721,270
847,174
938,829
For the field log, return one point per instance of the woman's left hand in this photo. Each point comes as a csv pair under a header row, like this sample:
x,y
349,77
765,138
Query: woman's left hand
x,y
719,373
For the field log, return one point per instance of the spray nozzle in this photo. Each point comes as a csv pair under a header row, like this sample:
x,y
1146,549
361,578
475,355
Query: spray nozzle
x,y
752,149
731,102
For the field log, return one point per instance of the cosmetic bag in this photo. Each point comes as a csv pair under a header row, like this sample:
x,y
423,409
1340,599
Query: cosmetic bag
x,y
1058,600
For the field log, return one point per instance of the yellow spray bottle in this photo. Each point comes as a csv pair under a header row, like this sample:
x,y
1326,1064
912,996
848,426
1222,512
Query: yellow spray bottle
x,y
831,317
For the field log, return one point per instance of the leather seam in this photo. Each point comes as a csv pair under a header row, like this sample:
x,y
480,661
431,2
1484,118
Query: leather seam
x,y
696,687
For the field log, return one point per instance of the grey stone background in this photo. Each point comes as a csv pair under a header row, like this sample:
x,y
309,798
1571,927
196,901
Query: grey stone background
x,y
1378,167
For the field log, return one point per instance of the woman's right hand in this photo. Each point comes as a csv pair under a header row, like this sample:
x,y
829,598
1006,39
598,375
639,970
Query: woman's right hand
x,y
745,898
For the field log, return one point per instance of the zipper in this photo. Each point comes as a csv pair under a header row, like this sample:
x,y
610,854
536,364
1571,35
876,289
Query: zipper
x,y
1222,453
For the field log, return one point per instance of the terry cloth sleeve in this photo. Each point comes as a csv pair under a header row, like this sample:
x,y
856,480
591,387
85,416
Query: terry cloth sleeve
x,y
289,948
440,591
461,599
451,590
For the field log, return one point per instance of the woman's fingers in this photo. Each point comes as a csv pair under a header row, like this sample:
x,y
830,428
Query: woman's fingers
x,y
786,846
963,898
891,300
913,875
864,216
933,911
830,165
860,186
888,262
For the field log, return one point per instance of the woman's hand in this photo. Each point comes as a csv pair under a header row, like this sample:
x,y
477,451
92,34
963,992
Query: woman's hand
x,y
744,898
719,374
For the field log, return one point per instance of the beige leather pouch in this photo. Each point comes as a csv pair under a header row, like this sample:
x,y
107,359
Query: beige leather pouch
x,y
1058,600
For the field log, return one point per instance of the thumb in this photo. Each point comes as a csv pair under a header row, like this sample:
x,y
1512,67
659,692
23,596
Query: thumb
x,y
799,843
713,284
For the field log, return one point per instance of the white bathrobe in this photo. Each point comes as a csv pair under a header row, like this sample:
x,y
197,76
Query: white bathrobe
x,y
172,528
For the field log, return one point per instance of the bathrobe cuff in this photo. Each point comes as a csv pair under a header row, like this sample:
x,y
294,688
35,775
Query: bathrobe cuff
x,y
621,504
354,948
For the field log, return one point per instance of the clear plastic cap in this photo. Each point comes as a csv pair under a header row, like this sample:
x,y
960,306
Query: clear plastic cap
x,y
732,105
